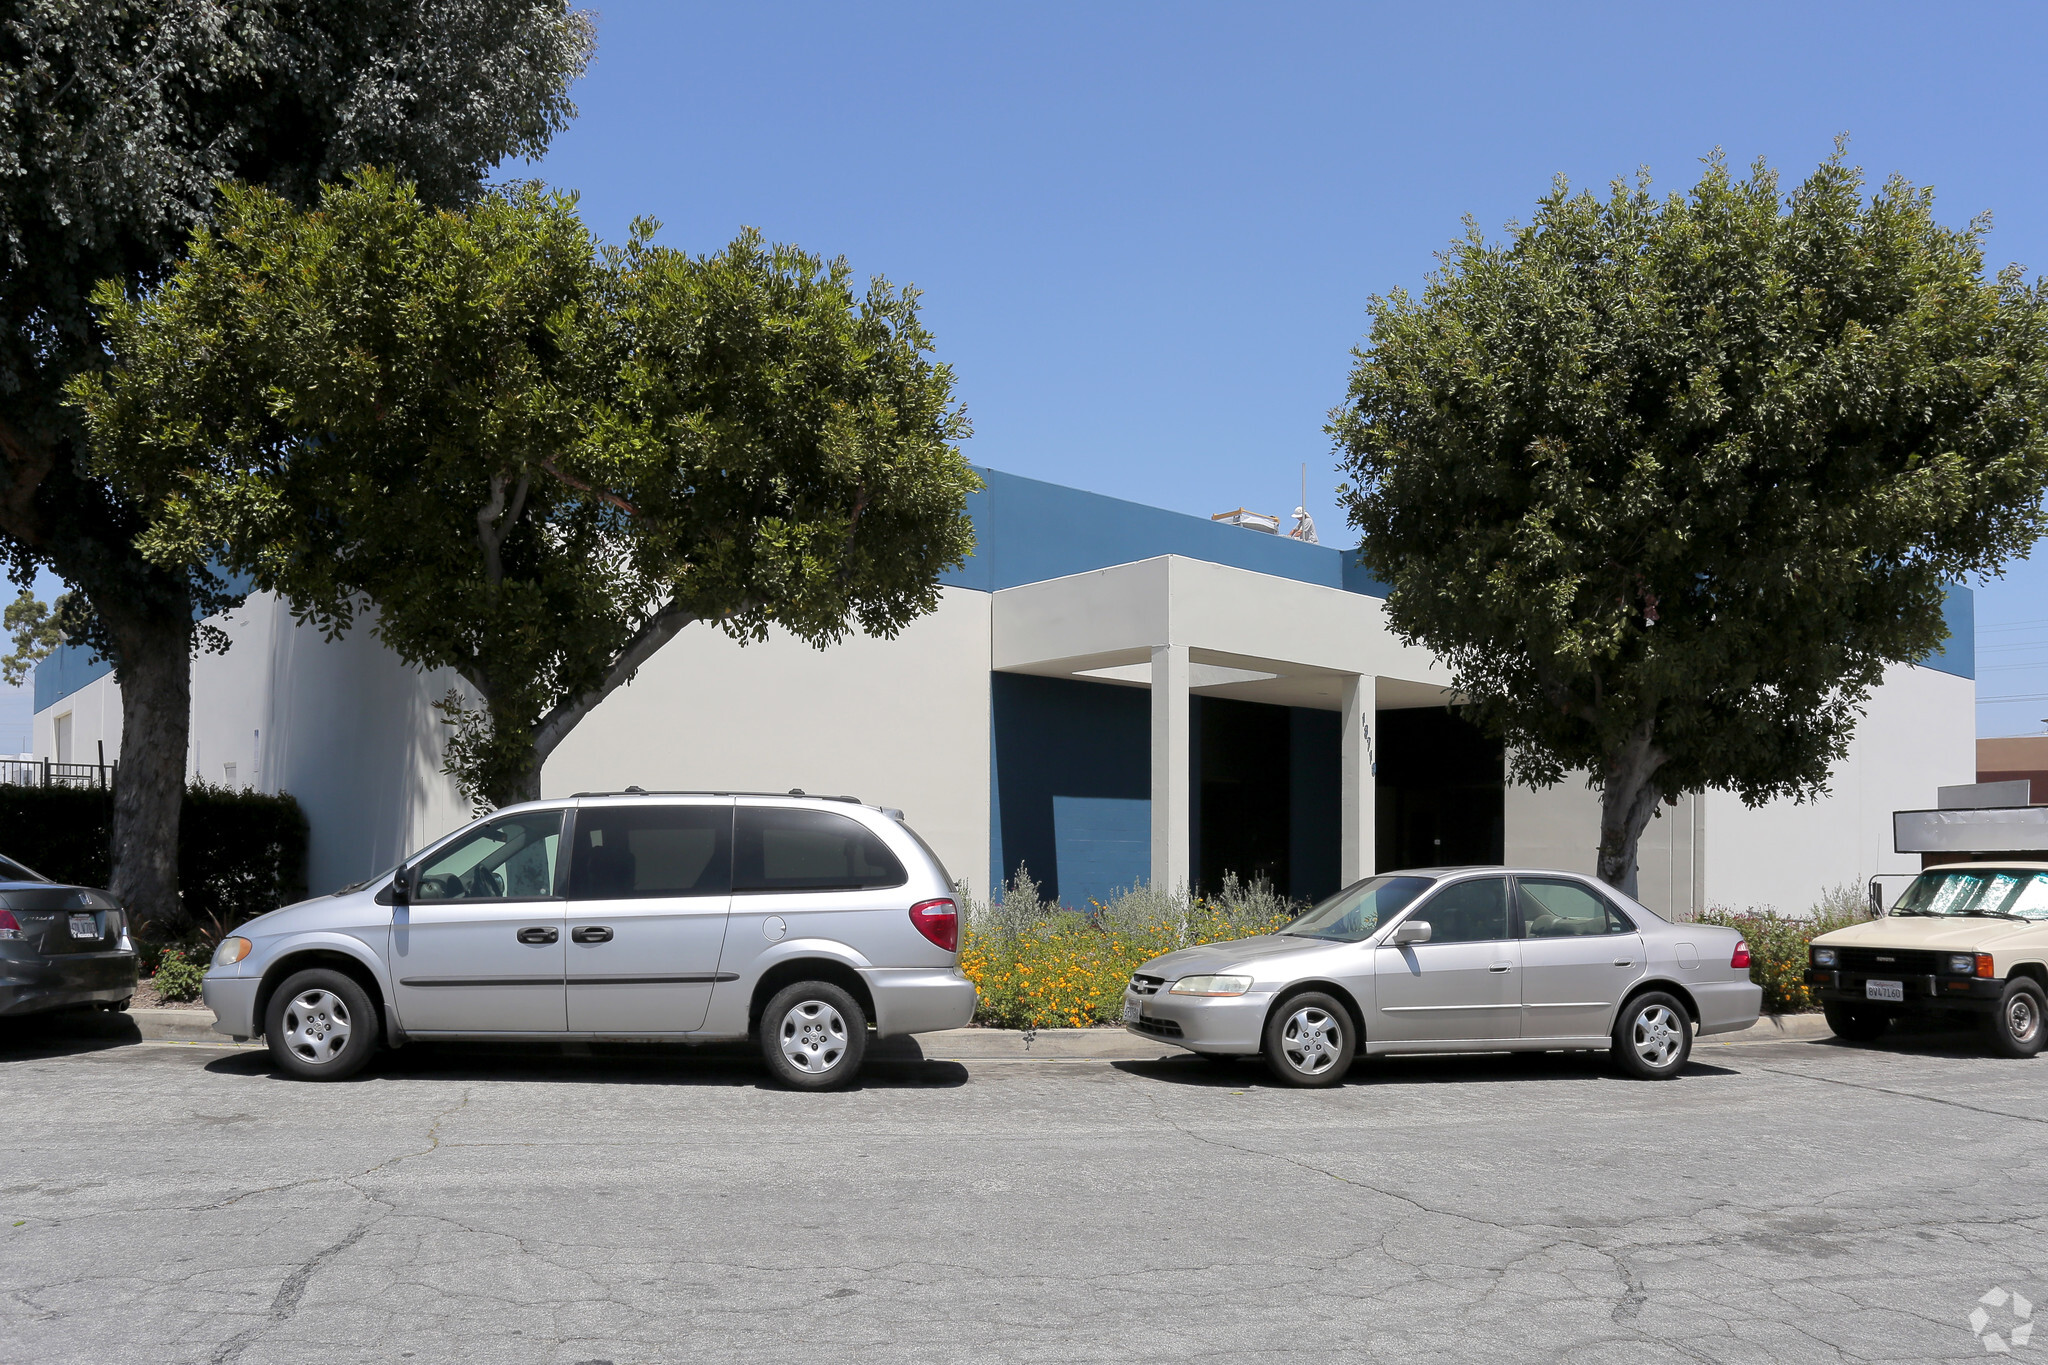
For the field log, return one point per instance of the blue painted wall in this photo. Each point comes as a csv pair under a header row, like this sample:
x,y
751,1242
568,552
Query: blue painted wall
x,y
1027,531
1959,655
65,670
1090,743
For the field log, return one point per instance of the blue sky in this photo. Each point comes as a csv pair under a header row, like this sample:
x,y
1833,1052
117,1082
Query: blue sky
x,y
1147,234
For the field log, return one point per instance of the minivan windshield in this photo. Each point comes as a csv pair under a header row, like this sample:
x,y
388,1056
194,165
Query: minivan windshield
x,y
1356,912
1997,892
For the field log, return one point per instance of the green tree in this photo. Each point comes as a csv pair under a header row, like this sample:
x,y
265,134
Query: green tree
x,y
537,458
1669,483
116,123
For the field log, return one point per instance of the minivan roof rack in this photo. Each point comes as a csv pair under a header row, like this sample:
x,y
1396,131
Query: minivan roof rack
x,y
793,791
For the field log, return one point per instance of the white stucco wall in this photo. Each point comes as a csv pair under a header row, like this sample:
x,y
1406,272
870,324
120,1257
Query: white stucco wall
x,y
95,712
902,723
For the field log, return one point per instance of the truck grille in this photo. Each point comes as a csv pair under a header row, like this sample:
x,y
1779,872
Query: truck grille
x,y
1892,961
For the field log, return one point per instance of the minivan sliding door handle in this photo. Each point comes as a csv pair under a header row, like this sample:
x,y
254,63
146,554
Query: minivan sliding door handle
x,y
590,933
539,935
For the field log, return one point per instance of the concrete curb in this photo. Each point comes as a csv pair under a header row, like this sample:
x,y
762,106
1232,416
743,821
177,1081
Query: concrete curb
x,y
976,1044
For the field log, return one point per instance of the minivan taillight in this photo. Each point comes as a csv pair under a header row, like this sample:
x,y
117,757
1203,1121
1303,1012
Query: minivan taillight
x,y
1741,958
938,921
10,927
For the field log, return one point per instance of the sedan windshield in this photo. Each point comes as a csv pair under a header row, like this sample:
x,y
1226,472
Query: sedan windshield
x,y
1357,911
2001,893
11,871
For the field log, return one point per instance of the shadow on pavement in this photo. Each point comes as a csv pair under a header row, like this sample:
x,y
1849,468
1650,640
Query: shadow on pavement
x,y
62,1033
1435,1069
1945,1042
893,1064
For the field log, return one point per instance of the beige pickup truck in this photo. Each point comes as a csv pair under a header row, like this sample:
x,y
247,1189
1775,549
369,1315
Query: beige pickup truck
x,y
1966,939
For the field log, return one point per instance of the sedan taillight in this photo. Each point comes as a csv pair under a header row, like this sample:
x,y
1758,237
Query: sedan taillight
x,y
10,927
1741,958
938,921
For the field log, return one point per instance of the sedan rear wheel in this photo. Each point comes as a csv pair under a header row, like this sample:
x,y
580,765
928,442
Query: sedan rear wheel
x,y
320,1025
1653,1037
1310,1040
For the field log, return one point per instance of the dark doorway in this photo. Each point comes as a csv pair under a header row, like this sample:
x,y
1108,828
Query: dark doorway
x,y
1439,790
1245,754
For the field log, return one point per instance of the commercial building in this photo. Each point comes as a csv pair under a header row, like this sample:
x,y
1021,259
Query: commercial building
x,y
1107,693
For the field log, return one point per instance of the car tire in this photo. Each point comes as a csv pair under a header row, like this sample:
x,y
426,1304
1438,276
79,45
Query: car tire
x,y
813,1036
1653,1037
320,1025
2019,1026
1310,1040
1854,1025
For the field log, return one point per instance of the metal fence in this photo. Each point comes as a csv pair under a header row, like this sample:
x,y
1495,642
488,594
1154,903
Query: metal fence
x,y
41,772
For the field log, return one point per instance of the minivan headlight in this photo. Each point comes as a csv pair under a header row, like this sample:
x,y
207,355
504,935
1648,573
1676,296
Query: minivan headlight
x,y
1823,957
231,951
1211,985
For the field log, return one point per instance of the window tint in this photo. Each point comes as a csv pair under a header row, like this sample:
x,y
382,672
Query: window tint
x,y
1567,910
1358,911
780,849
624,851
508,859
11,871
1467,912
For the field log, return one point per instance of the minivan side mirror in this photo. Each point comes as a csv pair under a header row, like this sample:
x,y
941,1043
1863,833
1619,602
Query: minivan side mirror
x,y
1410,931
401,886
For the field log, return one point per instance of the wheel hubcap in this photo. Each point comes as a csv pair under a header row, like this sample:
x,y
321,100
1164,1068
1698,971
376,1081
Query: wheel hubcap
x,y
1311,1041
813,1037
1658,1035
316,1025
2021,1020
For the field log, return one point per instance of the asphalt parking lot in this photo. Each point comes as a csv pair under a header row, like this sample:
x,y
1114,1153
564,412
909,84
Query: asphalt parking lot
x,y
1780,1201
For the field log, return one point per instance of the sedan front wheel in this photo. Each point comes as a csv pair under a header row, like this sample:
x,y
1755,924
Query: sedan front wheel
x,y
1310,1040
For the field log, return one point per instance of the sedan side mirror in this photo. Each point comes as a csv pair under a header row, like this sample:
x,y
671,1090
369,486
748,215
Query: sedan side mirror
x,y
401,886
1410,931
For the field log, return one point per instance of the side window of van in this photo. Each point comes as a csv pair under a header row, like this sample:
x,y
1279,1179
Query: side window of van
x,y
630,851
779,848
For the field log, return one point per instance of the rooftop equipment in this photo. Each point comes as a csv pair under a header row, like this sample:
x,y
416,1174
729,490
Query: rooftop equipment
x,y
1251,521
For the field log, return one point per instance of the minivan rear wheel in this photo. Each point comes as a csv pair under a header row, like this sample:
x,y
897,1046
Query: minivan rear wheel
x,y
813,1036
320,1025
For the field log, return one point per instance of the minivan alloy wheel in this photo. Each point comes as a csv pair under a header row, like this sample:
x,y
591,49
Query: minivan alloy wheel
x,y
317,1025
813,1037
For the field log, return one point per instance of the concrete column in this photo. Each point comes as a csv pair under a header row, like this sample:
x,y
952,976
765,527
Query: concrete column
x,y
1171,777
1356,819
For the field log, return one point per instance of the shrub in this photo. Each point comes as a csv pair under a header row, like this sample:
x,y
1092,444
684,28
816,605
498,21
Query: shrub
x,y
177,976
1039,965
240,853
1777,944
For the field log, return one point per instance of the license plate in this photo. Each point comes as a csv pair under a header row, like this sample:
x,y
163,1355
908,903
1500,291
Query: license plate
x,y
1133,1006
85,926
1884,990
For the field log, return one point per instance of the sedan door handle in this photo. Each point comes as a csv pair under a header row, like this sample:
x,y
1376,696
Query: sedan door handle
x,y
1624,962
539,935
1501,967
590,933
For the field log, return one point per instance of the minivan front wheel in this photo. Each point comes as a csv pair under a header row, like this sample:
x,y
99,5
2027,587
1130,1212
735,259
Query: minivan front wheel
x,y
813,1036
320,1025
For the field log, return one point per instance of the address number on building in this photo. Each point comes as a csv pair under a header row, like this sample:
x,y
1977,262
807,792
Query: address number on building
x,y
1884,990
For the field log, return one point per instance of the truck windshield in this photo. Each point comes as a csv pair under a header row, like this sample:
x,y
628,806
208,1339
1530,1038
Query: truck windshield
x,y
1995,891
1357,911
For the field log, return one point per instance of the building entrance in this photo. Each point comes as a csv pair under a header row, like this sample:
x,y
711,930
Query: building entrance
x,y
1266,797
1439,791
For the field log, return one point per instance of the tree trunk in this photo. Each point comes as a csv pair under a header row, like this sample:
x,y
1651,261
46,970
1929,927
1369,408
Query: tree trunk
x,y
1629,794
154,659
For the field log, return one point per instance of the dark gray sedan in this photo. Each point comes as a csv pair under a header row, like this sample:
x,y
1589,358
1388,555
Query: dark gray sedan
x,y
61,947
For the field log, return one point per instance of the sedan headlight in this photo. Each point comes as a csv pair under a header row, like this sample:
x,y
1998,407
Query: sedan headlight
x,y
231,951
1211,985
1962,964
1823,957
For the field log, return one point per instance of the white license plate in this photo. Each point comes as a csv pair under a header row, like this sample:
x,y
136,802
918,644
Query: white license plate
x,y
1884,990
85,926
1133,1006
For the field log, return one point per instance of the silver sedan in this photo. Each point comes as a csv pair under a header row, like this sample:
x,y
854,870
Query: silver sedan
x,y
1463,959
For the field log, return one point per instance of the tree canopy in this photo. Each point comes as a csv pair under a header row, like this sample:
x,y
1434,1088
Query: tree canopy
x,y
1669,482
538,458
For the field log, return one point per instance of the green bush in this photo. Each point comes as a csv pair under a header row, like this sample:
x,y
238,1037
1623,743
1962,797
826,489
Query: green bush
x,y
1777,944
240,853
177,976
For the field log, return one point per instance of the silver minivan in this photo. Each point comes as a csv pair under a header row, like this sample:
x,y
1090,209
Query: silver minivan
x,y
800,922
1453,959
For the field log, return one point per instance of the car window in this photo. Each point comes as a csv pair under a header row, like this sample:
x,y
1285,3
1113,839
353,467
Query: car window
x,y
624,851
1991,891
1562,909
11,871
508,859
779,848
1466,912
1357,912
